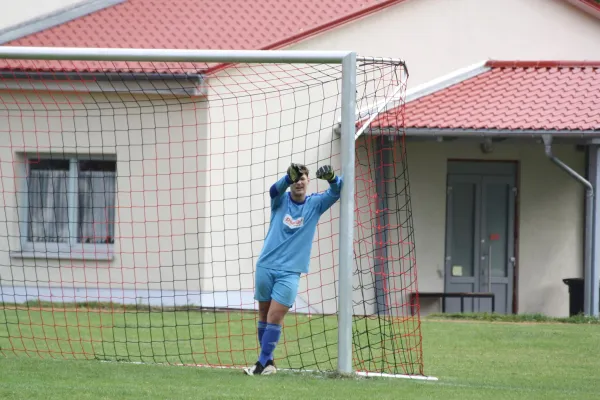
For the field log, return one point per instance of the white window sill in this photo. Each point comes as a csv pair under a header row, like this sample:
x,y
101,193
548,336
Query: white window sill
x,y
66,255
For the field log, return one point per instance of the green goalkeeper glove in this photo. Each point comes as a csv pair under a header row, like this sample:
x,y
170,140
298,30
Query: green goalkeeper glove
x,y
326,172
293,172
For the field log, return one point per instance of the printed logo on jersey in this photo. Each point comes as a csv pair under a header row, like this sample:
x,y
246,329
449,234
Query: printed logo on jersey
x,y
293,223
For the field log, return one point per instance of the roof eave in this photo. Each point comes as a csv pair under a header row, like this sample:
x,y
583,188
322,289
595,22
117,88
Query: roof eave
x,y
147,83
487,133
99,75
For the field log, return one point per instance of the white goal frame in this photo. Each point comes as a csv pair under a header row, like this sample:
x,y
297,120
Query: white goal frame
x,y
348,61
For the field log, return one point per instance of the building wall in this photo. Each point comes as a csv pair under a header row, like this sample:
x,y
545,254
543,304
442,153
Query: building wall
x,y
436,37
550,219
159,143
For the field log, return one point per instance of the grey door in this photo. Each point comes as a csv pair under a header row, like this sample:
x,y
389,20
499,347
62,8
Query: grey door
x,y
480,234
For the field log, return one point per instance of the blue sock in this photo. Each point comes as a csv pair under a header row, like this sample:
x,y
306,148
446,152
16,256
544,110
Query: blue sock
x,y
261,330
269,342
262,326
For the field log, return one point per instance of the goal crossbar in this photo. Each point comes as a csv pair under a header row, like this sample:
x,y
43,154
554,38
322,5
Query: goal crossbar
x,y
182,55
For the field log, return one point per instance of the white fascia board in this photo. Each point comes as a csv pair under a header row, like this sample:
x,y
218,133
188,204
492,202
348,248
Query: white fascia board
x,y
446,81
55,18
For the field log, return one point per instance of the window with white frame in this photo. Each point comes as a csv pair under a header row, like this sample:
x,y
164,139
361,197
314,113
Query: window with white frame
x,y
70,204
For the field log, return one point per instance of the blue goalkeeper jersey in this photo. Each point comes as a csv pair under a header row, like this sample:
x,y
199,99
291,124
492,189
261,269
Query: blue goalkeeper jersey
x,y
292,227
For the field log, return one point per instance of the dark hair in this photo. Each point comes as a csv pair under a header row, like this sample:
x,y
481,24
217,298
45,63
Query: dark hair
x,y
303,170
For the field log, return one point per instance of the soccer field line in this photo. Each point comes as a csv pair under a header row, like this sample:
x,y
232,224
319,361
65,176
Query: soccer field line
x,y
401,376
358,373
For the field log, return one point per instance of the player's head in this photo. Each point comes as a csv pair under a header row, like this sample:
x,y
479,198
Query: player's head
x,y
298,189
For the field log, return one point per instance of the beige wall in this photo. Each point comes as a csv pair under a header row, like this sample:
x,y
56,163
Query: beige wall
x,y
550,219
261,119
436,37
160,146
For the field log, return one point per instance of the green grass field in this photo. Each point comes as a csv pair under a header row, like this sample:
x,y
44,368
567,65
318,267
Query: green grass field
x,y
473,359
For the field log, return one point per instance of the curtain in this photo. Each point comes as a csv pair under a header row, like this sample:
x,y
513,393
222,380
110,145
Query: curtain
x,y
97,194
48,206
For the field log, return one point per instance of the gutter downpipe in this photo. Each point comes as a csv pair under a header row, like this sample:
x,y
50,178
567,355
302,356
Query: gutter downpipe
x,y
590,291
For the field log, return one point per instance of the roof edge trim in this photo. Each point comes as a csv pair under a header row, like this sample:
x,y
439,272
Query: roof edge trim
x,y
543,64
55,18
469,132
103,82
446,81
98,76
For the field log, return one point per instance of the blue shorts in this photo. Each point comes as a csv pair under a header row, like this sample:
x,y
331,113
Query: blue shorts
x,y
281,286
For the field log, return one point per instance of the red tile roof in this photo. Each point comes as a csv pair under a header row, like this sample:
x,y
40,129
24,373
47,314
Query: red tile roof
x,y
195,24
508,95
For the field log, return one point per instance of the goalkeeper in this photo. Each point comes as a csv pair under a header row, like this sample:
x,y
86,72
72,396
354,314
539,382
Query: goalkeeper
x,y
286,253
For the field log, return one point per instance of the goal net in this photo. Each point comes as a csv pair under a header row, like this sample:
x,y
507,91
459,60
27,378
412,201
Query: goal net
x,y
135,202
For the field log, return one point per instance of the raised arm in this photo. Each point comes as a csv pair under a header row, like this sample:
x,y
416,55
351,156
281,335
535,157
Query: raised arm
x,y
332,194
278,188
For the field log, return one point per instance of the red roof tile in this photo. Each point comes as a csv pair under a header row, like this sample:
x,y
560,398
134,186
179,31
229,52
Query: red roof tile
x,y
510,96
194,24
